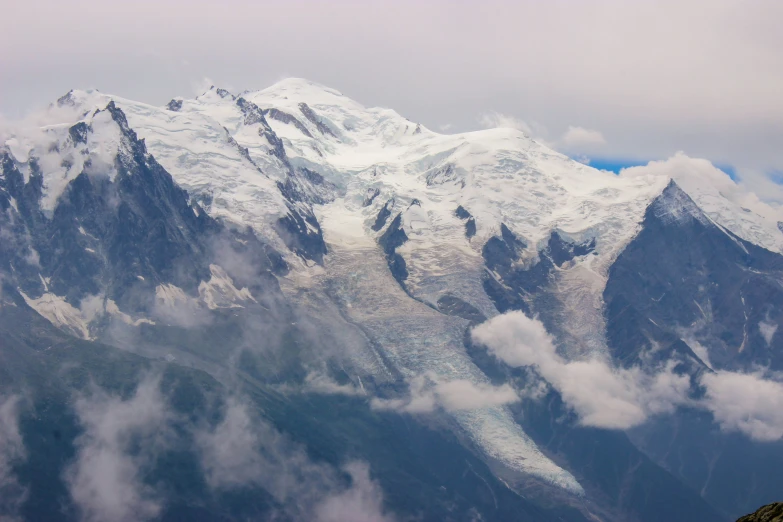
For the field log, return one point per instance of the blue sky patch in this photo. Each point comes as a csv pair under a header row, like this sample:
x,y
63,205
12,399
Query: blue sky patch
x,y
615,164
728,169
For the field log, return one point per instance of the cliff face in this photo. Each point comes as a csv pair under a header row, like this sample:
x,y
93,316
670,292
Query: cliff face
x,y
768,513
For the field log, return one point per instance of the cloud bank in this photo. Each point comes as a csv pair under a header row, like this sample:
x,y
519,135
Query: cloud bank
x,y
602,396
698,175
618,398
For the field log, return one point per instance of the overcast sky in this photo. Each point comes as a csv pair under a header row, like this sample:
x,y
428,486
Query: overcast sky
x,y
617,79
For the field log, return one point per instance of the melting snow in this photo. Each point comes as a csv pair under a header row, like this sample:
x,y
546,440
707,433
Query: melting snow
x,y
60,313
220,292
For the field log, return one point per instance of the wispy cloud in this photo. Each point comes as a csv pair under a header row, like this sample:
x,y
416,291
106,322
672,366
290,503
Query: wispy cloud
x,y
362,502
12,451
768,330
494,120
320,383
200,86
575,141
429,392
105,480
123,438
230,453
580,139
243,449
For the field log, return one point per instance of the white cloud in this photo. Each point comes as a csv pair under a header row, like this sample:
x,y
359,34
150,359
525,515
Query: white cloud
x,y
581,158
199,87
319,383
697,175
243,449
32,258
229,453
579,139
760,185
699,349
361,502
619,398
495,120
105,480
12,451
601,396
768,331
464,395
749,207
11,444
428,392
421,399
516,339
747,403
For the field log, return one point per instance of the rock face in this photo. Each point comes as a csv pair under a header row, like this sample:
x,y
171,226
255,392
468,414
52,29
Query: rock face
x,y
393,238
768,513
119,232
683,276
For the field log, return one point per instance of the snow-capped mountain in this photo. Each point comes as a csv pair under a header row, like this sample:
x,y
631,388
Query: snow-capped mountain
x,y
370,232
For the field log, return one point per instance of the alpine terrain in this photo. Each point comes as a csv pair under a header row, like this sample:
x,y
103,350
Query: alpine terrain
x,y
283,305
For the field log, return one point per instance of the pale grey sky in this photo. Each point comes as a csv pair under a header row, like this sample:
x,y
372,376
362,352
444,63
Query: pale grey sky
x,y
601,78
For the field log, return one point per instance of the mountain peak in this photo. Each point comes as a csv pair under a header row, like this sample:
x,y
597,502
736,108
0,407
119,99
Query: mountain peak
x,y
216,93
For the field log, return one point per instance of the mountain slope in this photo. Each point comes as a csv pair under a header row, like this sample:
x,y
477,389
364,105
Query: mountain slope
x,y
768,513
295,240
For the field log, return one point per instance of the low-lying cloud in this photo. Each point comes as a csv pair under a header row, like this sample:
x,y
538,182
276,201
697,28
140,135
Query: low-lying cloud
x,y
244,450
362,502
768,331
12,451
319,383
429,392
105,479
747,403
619,398
123,438
231,453
602,396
